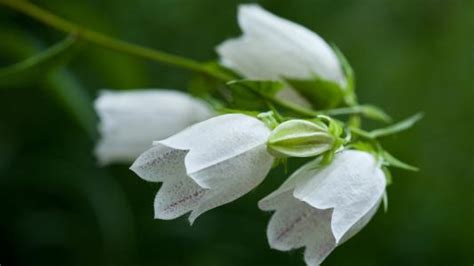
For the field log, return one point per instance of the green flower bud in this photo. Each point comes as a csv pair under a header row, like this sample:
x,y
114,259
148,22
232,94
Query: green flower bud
x,y
300,138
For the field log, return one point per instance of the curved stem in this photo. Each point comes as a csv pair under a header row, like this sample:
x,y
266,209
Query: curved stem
x,y
103,40
108,42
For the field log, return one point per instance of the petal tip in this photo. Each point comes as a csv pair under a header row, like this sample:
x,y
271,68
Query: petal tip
x,y
244,9
263,205
135,167
192,218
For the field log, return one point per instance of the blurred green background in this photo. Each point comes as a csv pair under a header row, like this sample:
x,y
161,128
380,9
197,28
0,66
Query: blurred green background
x,y
59,208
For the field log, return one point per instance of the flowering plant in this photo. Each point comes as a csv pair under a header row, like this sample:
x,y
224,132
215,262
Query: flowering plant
x,y
278,92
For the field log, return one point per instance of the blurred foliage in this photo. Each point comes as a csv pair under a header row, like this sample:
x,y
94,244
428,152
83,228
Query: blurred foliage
x,y
59,208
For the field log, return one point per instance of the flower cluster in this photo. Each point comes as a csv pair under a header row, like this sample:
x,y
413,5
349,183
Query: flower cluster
x,y
209,153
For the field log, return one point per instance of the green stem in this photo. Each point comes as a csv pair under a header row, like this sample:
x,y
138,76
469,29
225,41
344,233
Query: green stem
x,y
108,42
105,41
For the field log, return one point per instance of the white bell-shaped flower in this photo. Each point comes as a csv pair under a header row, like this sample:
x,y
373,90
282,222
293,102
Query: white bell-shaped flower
x,y
130,121
206,165
320,207
273,48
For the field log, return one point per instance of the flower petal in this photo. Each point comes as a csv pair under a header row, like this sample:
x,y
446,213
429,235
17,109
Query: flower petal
x,y
293,223
233,178
321,245
130,121
273,48
177,196
285,192
219,144
361,223
160,163
352,185
296,224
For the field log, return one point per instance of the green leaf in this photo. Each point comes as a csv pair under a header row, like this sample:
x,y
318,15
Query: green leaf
x,y
389,160
205,86
220,70
252,94
267,88
322,94
202,86
398,127
34,68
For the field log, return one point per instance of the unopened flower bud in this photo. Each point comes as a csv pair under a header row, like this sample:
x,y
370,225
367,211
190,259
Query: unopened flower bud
x,y
300,138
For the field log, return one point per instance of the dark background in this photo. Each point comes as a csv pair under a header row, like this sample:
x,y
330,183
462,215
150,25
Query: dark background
x,y
59,208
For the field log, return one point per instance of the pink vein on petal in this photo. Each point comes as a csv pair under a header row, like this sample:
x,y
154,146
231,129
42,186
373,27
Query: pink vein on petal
x,y
290,227
194,196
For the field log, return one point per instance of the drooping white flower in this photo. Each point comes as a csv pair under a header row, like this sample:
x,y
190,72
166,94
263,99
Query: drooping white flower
x,y
320,207
273,48
206,165
130,121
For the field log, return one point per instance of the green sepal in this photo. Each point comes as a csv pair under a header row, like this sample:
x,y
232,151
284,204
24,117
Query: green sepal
x,y
360,132
375,113
322,94
390,160
327,157
397,127
368,111
268,118
385,201
335,127
388,176
281,161
390,130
